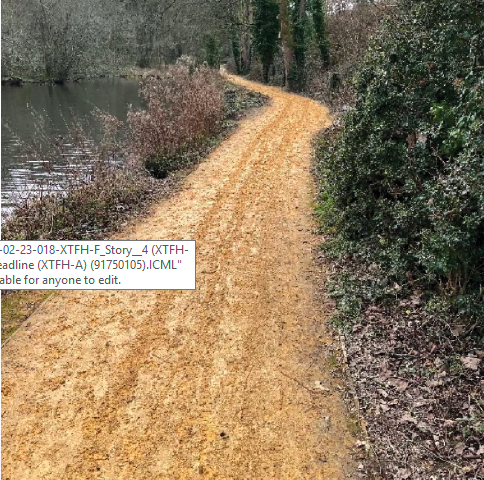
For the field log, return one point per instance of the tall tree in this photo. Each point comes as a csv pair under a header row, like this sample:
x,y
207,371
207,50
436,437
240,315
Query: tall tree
x,y
286,39
61,31
245,37
297,75
319,13
212,51
235,39
266,33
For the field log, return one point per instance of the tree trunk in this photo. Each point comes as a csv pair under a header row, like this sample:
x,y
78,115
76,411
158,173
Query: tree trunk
x,y
236,50
301,44
246,47
286,39
265,72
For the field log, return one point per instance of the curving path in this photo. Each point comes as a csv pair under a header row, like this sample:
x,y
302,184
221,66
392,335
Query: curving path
x,y
218,383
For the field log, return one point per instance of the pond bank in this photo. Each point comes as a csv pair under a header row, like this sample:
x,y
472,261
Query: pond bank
x,y
134,198
34,114
129,73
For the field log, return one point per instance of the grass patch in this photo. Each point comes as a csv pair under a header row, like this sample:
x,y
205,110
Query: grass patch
x,y
17,307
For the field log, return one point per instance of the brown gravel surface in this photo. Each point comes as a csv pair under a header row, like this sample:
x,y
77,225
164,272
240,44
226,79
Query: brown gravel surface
x,y
230,381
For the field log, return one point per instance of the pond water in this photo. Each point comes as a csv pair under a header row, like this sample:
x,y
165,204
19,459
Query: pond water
x,y
50,109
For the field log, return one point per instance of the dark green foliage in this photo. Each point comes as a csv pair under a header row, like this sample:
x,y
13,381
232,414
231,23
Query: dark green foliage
x,y
236,51
404,182
212,51
161,167
318,8
174,53
266,32
301,32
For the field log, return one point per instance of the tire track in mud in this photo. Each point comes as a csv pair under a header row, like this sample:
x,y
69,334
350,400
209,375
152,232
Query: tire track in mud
x,y
216,383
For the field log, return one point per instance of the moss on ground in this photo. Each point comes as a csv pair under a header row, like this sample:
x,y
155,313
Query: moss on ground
x,y
17,307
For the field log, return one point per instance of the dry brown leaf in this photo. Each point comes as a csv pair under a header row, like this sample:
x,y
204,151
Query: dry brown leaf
x,y
407,418
470,362
399,384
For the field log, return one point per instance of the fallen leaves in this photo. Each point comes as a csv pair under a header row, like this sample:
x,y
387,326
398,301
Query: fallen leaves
x,y
418,391
470,362
408,418
399,384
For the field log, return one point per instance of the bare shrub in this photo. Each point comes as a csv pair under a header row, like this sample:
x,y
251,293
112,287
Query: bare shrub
x,y
185,106
350,32
87,190
97,187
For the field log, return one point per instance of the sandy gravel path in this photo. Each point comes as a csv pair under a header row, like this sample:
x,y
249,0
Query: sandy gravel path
x,y
217,383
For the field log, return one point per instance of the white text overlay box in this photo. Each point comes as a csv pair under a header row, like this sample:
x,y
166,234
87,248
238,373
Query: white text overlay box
x,y
97,265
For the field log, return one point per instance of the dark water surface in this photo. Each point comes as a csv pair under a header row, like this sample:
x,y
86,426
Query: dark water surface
x,y
50,109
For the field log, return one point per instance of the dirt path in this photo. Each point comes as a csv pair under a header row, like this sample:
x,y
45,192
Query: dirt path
x,y
218,383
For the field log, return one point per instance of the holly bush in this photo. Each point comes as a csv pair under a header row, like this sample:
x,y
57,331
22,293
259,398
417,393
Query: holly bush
x,y
403,182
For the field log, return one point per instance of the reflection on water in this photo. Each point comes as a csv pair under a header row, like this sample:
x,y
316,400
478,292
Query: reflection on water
x,y
36,111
